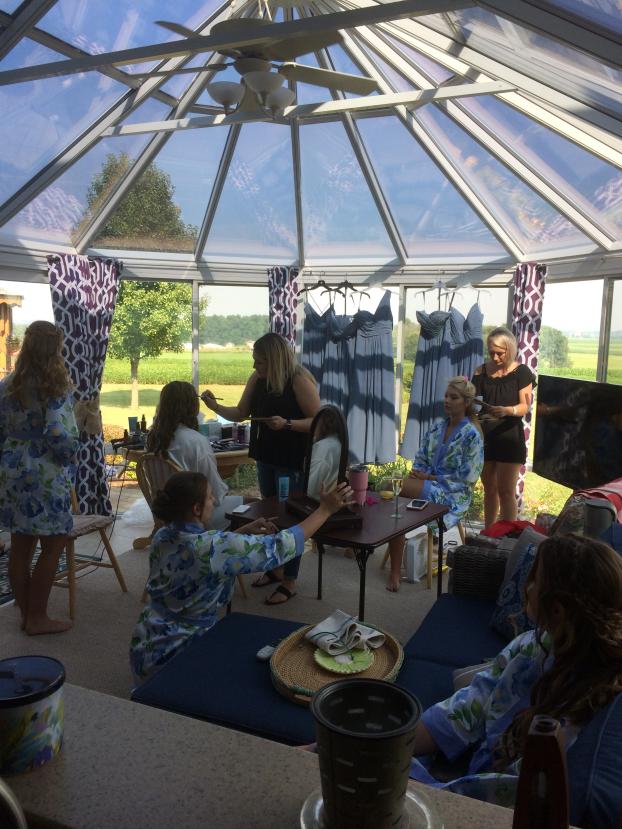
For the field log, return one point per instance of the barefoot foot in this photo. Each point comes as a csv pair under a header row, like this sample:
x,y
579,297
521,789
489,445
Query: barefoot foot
x,y
45,625
393,586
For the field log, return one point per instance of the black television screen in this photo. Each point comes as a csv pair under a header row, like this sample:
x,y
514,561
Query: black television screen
x,y
578,441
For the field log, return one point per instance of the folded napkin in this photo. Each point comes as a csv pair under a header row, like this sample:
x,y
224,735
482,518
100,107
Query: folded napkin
x,y
341,633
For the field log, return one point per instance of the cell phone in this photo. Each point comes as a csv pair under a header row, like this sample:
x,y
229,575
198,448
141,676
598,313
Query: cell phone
x,y
417,503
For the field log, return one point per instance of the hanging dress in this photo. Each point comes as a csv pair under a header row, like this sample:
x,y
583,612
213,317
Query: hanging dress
x,y
315,335
338,355
371,403
470,354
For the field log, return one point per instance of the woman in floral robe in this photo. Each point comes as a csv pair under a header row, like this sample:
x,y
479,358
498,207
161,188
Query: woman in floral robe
x,y
446,466
569,668
193,570
38,443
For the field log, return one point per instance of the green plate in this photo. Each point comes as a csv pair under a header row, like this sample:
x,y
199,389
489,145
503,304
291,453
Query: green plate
x,y
361,660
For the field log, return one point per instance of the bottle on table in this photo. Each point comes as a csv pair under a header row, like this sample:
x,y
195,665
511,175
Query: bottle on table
x,y
542,792
143,424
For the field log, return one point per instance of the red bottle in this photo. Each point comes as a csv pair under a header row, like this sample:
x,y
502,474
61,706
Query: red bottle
x,y
542,793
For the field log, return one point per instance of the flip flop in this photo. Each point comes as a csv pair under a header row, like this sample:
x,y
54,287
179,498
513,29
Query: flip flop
x,y
283,591
271,579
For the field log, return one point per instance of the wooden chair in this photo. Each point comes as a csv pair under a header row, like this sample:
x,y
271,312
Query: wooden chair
x,y
84,525
430,571
152,472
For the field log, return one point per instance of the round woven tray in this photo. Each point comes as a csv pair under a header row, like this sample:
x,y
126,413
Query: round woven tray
x,y
297,676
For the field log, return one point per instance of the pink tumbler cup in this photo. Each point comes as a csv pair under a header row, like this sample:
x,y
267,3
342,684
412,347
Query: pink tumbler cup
x,y
359,478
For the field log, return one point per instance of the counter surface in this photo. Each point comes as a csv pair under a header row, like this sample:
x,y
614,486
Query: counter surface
x,y
132,767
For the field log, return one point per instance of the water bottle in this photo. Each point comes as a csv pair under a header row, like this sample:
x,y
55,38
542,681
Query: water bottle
x,y
283,488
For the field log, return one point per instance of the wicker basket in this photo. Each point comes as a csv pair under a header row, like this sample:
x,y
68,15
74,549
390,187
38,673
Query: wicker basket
x,y
297,676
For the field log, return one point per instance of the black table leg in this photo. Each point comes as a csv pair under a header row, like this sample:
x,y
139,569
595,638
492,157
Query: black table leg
x,y
320,559
439,580
362,554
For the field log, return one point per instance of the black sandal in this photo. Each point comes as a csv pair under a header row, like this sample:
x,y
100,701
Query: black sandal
x,y
284,592
270,579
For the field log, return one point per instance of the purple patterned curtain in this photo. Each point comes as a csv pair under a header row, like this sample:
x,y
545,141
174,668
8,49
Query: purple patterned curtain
x,y
529,284
84,294
283,301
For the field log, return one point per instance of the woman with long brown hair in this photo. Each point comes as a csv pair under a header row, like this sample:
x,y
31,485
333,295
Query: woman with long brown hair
x,y
38,443
282,399
175,435
568,667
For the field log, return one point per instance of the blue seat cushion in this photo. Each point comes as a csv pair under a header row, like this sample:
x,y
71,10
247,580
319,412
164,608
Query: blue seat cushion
x,y
219,679
456,632
430,682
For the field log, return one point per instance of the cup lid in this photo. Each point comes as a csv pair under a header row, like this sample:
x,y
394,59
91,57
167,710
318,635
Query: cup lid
x,y
26,679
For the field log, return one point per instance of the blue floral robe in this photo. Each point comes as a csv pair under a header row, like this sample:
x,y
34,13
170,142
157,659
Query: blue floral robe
x,y
38,445
476,717
457,464
192,574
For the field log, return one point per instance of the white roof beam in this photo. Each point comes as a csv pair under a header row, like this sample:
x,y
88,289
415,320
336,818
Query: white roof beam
x,y
317,111
22,20
219,183
200,43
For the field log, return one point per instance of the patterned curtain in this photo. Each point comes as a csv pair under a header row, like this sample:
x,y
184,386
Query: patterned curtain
x,y
84,294
529,284
283,301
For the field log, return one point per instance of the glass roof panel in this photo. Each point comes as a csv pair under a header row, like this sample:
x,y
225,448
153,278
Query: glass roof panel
x,y
41,118
70,202
527,216
9,5
607,13
170,197
98,26
597,81
256,213
181,81
433,218
426,65
587,180
342,62
395,79
340,217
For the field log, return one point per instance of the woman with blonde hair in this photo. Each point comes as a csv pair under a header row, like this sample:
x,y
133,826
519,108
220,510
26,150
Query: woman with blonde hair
x,y
175,435
38,443
281,399
505,387
446,466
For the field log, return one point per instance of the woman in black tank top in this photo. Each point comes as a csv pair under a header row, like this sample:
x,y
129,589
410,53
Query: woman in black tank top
x,y
283,398
506,388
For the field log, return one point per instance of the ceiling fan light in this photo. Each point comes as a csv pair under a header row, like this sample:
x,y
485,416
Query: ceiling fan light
x,y
226,93
279,99
244,65
263,82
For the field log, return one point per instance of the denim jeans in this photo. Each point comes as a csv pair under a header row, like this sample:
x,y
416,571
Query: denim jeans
x,y
268,477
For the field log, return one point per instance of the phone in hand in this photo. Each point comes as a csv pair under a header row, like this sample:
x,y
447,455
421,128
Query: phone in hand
x,y
417,503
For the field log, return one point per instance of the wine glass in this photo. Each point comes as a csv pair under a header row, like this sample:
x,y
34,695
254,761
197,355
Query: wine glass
x,y
396,486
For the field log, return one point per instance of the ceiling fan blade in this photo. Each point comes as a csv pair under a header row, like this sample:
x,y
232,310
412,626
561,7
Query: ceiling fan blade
x,y
247,35
184,70
359,84
293,47
184,31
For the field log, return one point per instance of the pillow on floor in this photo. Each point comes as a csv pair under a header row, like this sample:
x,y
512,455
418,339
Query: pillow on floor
x,y
509,618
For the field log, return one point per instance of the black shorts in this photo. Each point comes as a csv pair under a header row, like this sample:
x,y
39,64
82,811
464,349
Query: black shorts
x,y
505,442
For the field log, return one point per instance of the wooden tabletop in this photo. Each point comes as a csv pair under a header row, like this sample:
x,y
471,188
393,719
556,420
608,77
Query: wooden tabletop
x,y
378,526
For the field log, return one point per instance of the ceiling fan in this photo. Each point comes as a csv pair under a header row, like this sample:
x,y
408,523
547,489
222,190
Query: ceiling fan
x,y
260,87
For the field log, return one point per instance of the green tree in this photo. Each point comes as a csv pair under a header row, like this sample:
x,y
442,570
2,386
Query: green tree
x,y
146,212
411,339
150,317
554,347
232,328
